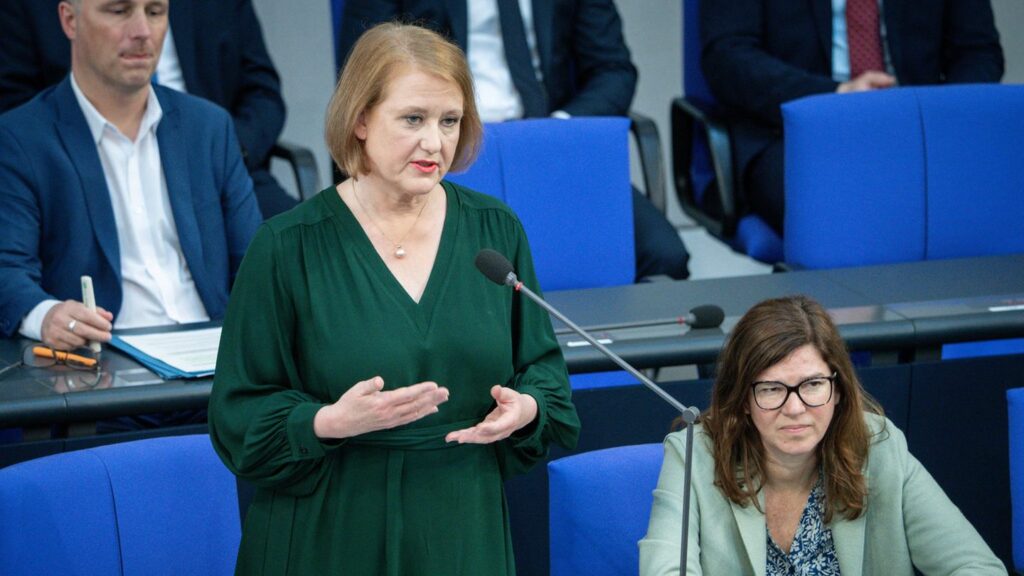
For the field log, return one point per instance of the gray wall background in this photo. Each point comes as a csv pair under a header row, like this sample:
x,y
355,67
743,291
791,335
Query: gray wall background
x,y
299,38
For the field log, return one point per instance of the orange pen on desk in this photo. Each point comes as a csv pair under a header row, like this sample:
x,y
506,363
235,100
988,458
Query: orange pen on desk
x,y
44,352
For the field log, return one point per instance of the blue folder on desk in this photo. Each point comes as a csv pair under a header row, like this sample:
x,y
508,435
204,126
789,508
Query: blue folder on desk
x,y
173,352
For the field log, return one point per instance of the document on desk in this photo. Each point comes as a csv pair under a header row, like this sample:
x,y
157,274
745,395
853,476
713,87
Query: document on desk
x,y
173,354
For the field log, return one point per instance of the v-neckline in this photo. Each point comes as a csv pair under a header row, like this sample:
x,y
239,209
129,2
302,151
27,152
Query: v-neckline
x,y
420,312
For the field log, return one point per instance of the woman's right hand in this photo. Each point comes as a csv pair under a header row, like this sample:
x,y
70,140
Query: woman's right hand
x,y
365,407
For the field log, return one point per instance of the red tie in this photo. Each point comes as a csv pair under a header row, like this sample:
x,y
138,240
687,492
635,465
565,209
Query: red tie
x,y
863,36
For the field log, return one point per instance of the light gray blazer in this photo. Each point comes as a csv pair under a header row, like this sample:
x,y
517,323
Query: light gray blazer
x,y
909,520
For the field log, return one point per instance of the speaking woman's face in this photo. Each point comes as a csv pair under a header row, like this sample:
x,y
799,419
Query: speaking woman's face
x,y
791,432
412,135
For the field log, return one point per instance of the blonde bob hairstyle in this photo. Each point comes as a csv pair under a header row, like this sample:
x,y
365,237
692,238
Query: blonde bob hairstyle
x,y
378,56
765,336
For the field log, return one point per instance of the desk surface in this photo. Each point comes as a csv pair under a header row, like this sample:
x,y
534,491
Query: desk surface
x,y
877,308
896,306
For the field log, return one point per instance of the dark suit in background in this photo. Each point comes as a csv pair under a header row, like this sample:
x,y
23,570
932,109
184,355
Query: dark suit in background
x,y
57,219
222,57
587,71
583,57
758,54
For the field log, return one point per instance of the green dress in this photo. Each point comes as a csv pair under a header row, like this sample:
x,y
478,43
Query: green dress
x,y
313,311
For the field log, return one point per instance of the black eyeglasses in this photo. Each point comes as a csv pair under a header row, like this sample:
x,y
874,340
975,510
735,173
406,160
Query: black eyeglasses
x,y
36,356
813,392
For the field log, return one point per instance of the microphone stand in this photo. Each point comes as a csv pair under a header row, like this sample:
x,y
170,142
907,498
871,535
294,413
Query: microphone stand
x,y
689,415
628,325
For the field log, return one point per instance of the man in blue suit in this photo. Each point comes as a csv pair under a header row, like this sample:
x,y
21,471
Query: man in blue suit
x,y
539,58
141,187
214,49
759,54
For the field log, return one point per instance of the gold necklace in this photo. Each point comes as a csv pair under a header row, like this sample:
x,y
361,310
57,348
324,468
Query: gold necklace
x,y
399,250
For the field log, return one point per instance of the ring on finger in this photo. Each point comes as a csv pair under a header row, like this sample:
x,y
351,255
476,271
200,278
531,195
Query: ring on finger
x,y
71,325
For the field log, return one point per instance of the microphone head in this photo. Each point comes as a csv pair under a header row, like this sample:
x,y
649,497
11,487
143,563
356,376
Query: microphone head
x,y
495,267
707,316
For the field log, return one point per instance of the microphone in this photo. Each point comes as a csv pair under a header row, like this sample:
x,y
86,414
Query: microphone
x,y
705,316
499,270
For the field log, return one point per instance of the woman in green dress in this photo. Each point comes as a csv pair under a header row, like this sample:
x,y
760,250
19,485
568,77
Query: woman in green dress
x,y
371,383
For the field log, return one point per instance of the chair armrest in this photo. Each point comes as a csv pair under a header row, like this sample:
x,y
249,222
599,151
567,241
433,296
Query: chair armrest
x,y
648,144
307,177
686,117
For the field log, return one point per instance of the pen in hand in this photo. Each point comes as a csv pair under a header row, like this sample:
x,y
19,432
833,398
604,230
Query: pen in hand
x,y
89,299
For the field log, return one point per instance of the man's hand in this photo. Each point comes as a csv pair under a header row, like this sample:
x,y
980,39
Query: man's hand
x,y
70,325
870,80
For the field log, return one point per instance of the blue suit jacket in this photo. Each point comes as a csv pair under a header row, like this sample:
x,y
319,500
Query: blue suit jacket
x,y
759,54
58,221
220,49
586,65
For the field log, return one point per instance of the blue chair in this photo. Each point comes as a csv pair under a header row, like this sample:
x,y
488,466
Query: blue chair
x,y
702,158
151,507
568,181
904,175
600,503
1015,403
337,11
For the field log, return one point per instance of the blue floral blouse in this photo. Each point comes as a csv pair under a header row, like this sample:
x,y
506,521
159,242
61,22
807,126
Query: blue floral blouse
x,y
813,553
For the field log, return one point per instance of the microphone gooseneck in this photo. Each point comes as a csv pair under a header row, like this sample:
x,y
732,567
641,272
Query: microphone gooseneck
x,y
499,270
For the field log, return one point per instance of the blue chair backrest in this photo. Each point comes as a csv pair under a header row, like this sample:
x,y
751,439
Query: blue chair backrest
x,y
145,508
973,142
1015,404
696,85
600,503
697,91
568,181
903,175
337,11
753,237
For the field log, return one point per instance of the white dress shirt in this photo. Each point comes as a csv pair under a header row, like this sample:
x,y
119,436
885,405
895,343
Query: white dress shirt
x,y
497,99
156,284
168,68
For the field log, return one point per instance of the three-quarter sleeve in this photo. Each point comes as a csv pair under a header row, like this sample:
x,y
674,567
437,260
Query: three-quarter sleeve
x,y
261,420
540,371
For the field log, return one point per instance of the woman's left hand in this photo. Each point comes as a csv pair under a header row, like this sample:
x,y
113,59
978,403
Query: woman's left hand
x,y
514,411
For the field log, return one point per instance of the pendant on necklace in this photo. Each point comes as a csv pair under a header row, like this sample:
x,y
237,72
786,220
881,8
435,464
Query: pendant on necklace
x,y
399,252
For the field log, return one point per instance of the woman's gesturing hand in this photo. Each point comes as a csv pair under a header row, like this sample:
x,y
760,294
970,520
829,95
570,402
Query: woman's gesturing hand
x,y
365,407
514,411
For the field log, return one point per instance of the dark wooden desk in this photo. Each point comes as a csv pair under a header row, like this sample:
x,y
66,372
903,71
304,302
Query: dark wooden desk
x,y
900,313
879,309
909,308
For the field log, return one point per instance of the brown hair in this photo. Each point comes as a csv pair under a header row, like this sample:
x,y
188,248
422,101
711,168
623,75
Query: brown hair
x,y
765,336
379,54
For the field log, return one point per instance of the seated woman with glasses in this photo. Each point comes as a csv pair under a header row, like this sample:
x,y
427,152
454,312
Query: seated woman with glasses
x,y
796,471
